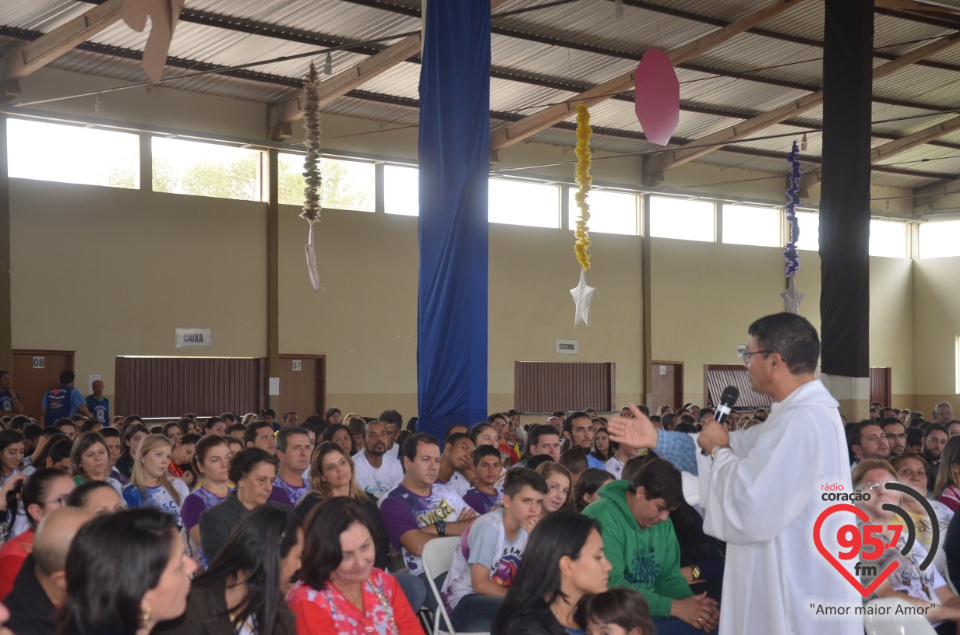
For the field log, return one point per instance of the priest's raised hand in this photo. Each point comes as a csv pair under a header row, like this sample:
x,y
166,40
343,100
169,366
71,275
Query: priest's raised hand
x,y
637,432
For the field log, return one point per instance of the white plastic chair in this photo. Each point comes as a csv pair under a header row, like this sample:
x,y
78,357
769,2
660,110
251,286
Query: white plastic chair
x,y
437,559
892,624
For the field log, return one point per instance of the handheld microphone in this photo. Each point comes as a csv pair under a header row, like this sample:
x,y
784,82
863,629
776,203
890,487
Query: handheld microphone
x,y
727,401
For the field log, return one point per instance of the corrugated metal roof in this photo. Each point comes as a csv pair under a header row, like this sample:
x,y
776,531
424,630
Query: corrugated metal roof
x,y
545,50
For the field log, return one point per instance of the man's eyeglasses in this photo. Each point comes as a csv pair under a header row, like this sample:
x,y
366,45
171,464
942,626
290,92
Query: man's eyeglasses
x,y
747,355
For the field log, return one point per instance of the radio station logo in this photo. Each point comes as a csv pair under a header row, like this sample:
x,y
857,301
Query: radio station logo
x,y
867,542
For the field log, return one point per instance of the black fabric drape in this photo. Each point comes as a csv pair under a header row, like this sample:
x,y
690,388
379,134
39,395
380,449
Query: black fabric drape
x,y
845,190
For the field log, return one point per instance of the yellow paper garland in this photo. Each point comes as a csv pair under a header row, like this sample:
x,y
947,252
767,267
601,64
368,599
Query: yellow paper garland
x,y
584,180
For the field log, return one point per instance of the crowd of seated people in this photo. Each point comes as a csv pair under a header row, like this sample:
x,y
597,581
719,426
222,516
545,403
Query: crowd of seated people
x,y
268,524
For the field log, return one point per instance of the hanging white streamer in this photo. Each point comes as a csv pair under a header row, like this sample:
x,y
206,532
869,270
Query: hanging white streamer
x,y
312,261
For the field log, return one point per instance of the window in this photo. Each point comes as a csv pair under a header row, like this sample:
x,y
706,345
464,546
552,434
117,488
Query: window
x,y
524,203
888,239
940,239
349,185
682,218
72,154
610,212
748,225
401,190
205,169
809,231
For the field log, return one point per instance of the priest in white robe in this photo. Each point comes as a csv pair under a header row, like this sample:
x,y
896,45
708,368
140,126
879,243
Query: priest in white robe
x,y
762,491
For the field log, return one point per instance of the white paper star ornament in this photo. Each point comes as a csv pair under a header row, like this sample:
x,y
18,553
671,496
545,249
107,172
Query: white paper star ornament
x,y
582,298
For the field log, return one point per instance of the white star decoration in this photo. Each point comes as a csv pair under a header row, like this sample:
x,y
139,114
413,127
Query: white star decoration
x,y
582,298
792,297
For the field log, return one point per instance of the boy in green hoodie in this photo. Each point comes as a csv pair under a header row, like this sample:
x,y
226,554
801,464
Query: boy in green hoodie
x,y
639,541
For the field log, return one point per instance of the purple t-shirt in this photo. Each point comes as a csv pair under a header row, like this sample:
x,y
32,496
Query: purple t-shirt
x,y
482,502
402,511
199,501
287,494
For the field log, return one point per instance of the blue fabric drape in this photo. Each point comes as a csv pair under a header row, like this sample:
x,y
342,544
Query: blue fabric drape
x,y
454,167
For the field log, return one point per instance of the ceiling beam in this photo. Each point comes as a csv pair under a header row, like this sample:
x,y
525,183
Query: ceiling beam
x,y
902,144
654,168
34,55
530,125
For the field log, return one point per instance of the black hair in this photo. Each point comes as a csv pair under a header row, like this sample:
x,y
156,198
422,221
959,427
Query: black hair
x,y
570,418
59,449
575,460
412,445
67,376
78,497
332,430
688,525
536,461
589,483
32,432
484,450
250,435
127,432
914,436
105,598
172,424
533,437
519,477
790,336
475,430
20,421
256,546
109,432
33,491
283,437
212,421
270,412
89,424
392,417
456,436
450,430
237,427
634,464
659,479
245,460
204,445
625,607
935,427
321,540
560,534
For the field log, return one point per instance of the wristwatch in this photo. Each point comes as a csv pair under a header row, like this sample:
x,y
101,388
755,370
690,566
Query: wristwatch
x,y
441,527
695,572
717,448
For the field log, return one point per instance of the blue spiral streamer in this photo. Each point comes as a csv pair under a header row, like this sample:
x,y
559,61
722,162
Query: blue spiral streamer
x,y
790,253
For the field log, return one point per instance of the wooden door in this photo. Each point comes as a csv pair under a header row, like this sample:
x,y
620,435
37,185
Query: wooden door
x,y
666,386
302,385
37,371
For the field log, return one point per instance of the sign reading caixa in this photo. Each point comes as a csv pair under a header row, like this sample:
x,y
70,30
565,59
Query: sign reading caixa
x,y
193,338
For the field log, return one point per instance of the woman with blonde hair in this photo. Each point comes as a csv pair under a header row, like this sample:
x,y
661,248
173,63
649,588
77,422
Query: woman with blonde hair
x,y
332,474
946,488
150,485
249,418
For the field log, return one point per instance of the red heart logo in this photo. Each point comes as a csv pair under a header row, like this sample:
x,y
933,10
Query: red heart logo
x,y
862,515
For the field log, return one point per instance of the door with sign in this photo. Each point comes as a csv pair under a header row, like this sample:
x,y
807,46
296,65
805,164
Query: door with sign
x,y
666,385
302,385
35,372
